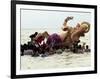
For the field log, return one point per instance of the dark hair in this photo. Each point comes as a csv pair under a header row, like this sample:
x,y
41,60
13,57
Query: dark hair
x,y
79,46
78,41
33,35
25,46
36,33
87,46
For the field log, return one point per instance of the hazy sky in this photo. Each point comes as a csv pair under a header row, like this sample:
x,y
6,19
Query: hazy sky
x,y
50,19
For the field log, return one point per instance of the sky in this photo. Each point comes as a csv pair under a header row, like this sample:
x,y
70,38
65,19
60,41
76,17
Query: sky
x,y
51,19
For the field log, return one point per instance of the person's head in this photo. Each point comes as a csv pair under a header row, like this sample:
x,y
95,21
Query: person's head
x,y
37,36
79,46
87,46
36,33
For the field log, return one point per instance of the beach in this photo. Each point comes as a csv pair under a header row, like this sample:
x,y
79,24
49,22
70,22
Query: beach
x,y
64,60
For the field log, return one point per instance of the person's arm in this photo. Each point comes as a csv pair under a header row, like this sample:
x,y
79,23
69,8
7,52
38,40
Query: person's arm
x,y
65,26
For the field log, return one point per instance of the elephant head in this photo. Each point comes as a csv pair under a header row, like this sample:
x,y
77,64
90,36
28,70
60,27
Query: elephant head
x,y
85,26
82,29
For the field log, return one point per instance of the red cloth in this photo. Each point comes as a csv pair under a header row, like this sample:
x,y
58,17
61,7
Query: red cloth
x,y
40,39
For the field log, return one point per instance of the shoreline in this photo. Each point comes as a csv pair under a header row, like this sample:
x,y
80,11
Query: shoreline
x,y
66,60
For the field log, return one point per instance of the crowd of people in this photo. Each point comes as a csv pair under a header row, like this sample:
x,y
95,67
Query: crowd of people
x,y
37,47
44,44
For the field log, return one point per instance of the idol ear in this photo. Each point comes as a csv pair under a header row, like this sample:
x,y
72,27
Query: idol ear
x,y
85,25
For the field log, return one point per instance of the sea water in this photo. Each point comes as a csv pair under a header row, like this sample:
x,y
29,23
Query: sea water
x,y
64,60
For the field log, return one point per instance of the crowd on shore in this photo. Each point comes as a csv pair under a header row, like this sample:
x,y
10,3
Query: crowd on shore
x,y
39,47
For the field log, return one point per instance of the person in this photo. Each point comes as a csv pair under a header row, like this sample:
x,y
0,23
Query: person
x,y
36,50
22,50
75,48
87,49
83,46
24,47
32,36
80,50
31,43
